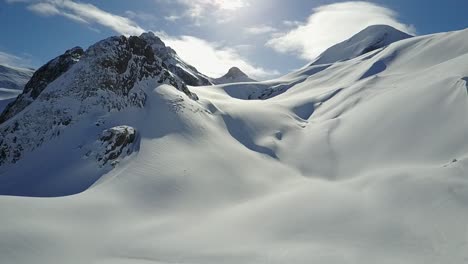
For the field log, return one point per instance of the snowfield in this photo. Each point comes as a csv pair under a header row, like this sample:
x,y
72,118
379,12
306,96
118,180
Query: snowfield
x,y
364,160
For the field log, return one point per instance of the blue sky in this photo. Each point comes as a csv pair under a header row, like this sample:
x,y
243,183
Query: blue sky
x,y
265,38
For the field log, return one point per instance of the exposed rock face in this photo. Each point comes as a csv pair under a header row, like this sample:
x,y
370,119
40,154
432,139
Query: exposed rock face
x,y
186,72
113,145
109,76
234,75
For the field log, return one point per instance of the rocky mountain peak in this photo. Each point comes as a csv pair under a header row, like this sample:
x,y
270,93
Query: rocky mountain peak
x,y
108,77
174,63
235,72
233,75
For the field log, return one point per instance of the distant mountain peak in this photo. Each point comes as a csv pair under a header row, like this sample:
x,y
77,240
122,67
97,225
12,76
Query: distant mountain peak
x,y
234,71
369,39
233,75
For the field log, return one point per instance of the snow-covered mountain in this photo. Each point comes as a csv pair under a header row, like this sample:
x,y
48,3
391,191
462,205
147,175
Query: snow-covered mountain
x,y
108,77
363,160
370,39
234,75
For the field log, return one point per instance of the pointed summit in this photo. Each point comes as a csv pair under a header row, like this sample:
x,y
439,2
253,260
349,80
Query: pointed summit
x,y
371,38
234,75
189,74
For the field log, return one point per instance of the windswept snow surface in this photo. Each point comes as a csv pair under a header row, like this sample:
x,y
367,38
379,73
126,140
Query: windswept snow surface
x,y
362,161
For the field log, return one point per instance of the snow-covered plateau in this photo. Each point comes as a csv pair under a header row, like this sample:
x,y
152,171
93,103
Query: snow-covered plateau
x,y
359,157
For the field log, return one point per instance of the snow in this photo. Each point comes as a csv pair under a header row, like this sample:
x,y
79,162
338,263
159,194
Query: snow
x,y
370,39
360,161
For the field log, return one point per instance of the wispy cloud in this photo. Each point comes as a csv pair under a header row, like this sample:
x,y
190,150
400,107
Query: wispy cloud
x,y
172,18
14,60
258,30
292,23
331,24
205,11
147,18
18,1
214,59
198,8
85,13
48,9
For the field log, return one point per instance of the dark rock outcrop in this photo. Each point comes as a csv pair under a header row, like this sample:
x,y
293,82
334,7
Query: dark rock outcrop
x,y
234,75
184,71
113,145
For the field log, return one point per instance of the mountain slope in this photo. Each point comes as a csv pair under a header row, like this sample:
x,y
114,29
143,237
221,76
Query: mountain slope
x,y
361,161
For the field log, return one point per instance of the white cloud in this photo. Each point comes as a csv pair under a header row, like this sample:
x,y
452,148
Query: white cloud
x,y
197,8
331,24
292,23
146,17
44,9
86,13
18,1
214,59
172,18
204,11
47,9
13,60
258,30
